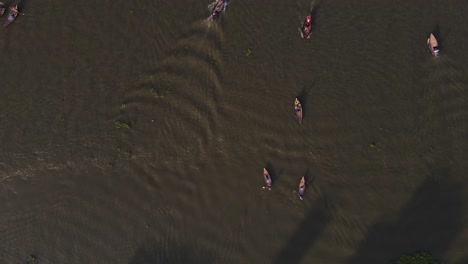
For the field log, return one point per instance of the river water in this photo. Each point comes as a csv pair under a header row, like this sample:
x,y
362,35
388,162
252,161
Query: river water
x,y
383,143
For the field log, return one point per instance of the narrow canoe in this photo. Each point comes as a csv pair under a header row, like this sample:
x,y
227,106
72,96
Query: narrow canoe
x,y
306,28
302,187
298,110
11,15
433,45
267,179
217,9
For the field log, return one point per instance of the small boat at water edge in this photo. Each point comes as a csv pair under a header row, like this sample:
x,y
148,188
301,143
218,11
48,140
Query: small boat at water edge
x,y
11,15
306,28
298,110
2,8
267,179
433,45
302,187
219,7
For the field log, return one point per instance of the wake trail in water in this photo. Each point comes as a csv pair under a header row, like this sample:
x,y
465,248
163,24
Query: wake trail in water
x,y
446,113
172,110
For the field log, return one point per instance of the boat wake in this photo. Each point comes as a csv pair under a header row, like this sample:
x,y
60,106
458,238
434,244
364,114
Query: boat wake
x,y
174,107
446,114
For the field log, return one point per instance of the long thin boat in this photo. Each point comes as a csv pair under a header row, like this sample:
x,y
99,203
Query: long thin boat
x,y
302,187
2,8
219,7
267,179
298,110
11,15
306,28
433,45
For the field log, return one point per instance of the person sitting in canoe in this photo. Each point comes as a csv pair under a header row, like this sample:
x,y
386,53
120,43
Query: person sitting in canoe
x,y
14,12
296,105
307,24
219,7
268,181
215,15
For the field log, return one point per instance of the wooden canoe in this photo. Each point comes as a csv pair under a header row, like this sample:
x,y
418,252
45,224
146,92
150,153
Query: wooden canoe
x,y
267,179
217,9
306,28
302,187
11,15
298,110
433,45
2,8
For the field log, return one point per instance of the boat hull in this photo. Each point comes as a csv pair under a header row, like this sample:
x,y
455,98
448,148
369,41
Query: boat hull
x,y
433,45
217,10
267,180
11,16
306,29
298,110
301,188
305,32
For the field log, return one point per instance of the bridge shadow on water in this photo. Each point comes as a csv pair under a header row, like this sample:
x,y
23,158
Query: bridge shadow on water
x,y
304,237
430,221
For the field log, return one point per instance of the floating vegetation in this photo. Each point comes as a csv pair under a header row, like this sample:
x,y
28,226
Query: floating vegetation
x,y
248,52
156,93
32,258
124,152
373,145
420,257
121,124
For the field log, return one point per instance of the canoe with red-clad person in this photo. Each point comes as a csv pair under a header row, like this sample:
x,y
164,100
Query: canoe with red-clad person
x,y
306,28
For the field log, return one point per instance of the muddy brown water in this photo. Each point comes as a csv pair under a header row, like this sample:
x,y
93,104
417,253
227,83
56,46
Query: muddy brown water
x,y
383,142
